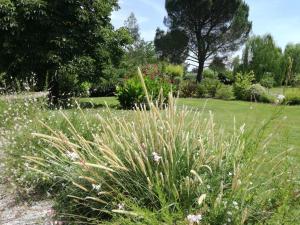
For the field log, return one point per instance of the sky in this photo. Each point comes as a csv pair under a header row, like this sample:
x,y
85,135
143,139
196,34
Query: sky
x,y
281,18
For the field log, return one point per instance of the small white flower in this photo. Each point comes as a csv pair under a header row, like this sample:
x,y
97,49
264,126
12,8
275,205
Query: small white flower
x,y
194,218
280,97
235,204
72,155
96,187
230,174
121,206
156,157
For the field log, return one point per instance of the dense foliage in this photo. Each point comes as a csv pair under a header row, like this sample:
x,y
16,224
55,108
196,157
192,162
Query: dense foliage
x,y
262,56
52,39
132,93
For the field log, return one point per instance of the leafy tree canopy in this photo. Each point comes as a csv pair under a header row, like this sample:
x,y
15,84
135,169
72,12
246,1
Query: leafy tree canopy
x,y
263,56
140,52
211,26
44,36
293,51
171,46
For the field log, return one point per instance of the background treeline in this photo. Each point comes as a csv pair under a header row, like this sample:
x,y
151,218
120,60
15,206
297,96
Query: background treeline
x,y
70,48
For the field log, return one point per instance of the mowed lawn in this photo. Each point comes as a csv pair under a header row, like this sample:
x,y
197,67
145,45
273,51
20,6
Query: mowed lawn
x,y
283,121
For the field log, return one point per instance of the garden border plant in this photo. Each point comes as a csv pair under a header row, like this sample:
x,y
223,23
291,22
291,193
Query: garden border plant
x,y
162,166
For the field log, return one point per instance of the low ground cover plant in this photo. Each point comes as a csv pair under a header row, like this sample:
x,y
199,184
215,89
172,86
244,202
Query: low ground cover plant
x,y
170,166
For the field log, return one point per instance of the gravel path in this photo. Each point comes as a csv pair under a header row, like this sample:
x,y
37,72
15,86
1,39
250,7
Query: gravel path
x,y
24,96
19,213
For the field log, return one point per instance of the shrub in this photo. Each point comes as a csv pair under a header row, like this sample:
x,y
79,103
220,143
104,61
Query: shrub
x,y
268,81
151,70
259,94
105,87
85,88
296,82
190,76
242,85
208,88
226,77
174,71
225,92
131,94
209,74
72,75
188,89
201,91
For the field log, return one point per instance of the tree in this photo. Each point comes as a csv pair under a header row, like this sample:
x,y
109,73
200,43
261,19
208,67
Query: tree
x,y
262,56
217,64
140,52
293,51
212,27
132,26
235,65
53,37
171,46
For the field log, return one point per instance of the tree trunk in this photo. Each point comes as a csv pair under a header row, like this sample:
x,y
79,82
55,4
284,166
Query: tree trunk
x,y
200,71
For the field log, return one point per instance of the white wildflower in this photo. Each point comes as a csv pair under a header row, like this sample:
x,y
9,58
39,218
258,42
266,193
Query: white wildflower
x,y
121,206
96,187
156,157
280,97
194,218
235,204
72,155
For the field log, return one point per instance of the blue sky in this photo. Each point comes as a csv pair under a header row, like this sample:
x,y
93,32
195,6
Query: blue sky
x,y
281,18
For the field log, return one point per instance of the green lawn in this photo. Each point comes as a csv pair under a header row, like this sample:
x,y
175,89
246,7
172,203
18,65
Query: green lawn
x,y
285,127
281,90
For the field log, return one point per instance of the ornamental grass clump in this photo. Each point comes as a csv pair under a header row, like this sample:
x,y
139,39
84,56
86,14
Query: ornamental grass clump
x,y
162,166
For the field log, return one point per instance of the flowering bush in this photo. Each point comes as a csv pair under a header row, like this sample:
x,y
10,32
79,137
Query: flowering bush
x,y
258,93
175,72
